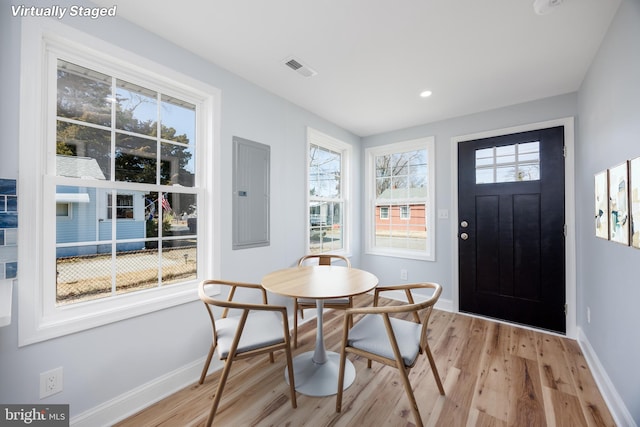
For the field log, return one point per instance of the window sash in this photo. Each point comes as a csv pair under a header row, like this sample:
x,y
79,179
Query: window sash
x,y
409,233
327,213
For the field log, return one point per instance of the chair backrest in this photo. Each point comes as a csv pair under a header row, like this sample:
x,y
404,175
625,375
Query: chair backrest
x,y
228,303
324,259
421,310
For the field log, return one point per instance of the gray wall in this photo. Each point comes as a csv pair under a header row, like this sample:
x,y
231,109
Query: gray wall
x,y
440,270
608,274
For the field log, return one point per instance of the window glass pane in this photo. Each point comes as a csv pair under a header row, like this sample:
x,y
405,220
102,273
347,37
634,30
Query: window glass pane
x,y
82,203
326,226
383,166
510,163
178,119
136,269
324,172
505,150
83,94
404,227
83,152
528,172
178,214
177,165
135,159
484,176
83,273
506,174
136,109
179,261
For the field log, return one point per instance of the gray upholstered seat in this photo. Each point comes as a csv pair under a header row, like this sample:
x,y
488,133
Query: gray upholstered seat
x,y
258,329
262,329
366,335
382,336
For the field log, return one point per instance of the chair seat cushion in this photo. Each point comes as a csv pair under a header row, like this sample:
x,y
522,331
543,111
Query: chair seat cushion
x,y
305,301
263,328
370,334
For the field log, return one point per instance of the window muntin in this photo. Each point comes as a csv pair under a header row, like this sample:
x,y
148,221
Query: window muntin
x,y
125,143
401,190
327,198
508,163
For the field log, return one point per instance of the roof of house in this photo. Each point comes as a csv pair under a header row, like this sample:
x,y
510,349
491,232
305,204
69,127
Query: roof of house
x,y
404,193
78,167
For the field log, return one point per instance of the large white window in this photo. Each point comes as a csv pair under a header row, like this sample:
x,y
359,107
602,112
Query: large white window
x,y
122,146
400,188
328,193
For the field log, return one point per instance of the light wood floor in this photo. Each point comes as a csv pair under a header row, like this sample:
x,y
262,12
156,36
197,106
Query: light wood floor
x,y
493,375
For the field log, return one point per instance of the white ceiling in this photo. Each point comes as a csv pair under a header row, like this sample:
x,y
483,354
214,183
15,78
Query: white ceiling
x,y
374,57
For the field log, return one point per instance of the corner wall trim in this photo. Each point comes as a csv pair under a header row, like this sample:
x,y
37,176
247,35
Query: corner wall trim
x,y
614,401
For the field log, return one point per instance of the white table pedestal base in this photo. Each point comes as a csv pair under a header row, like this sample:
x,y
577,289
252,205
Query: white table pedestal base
x,y
320,379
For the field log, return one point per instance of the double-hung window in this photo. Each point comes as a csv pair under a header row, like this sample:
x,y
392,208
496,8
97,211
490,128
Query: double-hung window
x,y
121,149
400,189
328,193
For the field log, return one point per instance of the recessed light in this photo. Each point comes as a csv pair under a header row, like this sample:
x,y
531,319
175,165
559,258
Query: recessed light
x,y
425,94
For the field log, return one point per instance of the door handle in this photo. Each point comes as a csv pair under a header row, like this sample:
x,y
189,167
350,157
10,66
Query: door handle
x,y
464,236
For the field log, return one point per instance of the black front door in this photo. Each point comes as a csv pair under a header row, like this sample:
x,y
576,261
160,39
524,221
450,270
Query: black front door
x,y
511,228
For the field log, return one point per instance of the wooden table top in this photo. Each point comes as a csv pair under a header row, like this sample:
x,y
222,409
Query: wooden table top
x,y
319,281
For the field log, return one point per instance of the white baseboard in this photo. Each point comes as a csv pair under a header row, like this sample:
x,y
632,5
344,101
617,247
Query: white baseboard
x,y
133,401
619,411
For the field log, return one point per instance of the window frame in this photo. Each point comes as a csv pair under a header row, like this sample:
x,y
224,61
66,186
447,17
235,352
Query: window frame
x,y
370,155
42,40
315,137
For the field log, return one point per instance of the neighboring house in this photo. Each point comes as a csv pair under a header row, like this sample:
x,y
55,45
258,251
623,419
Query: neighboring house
x,y
402,208
83,214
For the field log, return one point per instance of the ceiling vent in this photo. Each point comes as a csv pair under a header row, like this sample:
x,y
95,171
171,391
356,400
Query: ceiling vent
x,y
297,66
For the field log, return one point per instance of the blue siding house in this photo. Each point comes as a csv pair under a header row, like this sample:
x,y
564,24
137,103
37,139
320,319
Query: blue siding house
x,y
84,214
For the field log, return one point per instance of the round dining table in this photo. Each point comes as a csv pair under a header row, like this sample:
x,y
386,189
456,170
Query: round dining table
x,y
316,372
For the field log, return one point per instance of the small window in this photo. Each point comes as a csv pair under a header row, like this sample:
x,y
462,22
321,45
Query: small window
x,y
327,167
63,210
405,212
384,212
508,163
124,207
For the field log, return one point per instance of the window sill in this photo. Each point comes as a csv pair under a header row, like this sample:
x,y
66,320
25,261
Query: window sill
x,y
6,293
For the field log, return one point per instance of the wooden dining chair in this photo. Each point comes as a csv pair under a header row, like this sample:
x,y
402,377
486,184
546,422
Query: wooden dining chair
x,y
381,336
300,304
259,329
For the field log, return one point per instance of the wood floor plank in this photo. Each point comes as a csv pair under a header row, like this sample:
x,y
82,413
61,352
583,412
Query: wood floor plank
x,y
592,403
493,375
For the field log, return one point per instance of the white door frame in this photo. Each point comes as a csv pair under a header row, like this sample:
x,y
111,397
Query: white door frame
x,y
570,211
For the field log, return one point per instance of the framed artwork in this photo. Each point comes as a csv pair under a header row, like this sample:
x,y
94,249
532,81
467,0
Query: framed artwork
x,y
634,196
602,205
619,204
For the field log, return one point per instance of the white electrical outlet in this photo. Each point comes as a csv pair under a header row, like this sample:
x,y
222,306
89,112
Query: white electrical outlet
x,y
403,274
50,382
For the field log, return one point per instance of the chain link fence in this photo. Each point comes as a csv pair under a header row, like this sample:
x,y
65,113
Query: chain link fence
x,y
87,277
